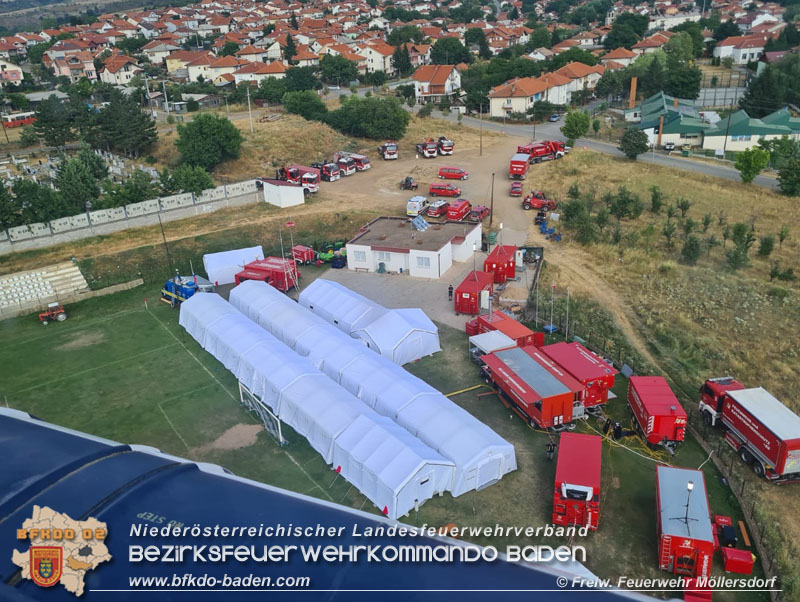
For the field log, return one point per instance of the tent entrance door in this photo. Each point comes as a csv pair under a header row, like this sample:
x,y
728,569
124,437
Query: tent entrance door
x,y
488,473
426,486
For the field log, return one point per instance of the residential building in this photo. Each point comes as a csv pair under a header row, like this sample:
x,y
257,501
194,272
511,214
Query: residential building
x,y
434,82
157,51
75,66
255,72
623,56
10,74
583,77
515,96
379,57
742,49
740,131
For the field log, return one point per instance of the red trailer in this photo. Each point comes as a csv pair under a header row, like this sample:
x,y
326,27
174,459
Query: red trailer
x,y
576,501
657,413
518,168
588,368
467,298
502,262
534,387
685,533
276,271
303,254
763,431
504,323
737,561
546,150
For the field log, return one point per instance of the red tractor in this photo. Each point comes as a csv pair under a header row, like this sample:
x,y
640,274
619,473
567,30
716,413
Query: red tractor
x,y
537,200
55,311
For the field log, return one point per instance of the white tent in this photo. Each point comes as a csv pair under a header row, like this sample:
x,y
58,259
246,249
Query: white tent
x,y
391,467
222,267
480,455
338,305
401,335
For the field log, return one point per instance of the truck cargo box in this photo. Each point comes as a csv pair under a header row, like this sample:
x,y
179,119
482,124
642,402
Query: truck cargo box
x,y
586,367
576,500
541,393
656,411
685,532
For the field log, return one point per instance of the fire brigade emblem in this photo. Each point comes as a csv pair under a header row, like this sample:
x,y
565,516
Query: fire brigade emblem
x,y
46,563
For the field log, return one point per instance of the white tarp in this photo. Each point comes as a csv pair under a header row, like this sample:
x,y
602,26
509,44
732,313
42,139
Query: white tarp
x,y
222,267
401,335
480,455
390,467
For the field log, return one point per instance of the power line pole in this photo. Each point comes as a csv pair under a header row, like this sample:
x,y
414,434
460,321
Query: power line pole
x,y
727,129
534,121
166,98
249,112
481,136
491,204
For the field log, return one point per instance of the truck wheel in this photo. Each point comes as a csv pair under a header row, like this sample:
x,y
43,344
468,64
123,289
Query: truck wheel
x,y
61,317
44,322
758,468
746,456
526,206
707,418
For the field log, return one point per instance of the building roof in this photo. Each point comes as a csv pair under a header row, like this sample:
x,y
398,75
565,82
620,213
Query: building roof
x,y
783,117
575,70
434,74
751,41
741,124
524,87
262,68
399,235
620,53
678,519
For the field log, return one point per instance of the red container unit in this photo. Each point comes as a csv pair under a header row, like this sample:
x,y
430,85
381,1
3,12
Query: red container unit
x,y
502,262
685,533
656,411
518,168
737,561
537,390
467,298
586,367
276,271
576,501
303,254
510,327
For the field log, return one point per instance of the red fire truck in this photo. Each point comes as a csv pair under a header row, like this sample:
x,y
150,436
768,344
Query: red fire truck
x,y
361,162
445,145
546,150
535,388
576,501
428,149
518,168
276,271
657,413
763,431
307,177
685,533
588,368
388,150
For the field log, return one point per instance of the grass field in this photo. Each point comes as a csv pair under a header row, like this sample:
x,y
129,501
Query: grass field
x,y
128,372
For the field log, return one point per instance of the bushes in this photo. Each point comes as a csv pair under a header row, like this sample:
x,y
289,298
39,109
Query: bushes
x,y
373,117
305,103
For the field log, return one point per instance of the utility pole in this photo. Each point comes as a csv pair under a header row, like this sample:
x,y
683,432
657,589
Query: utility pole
x,y
227,109
481,136
149,98
491,204
249,112
534,121
166,99
727,129
164,237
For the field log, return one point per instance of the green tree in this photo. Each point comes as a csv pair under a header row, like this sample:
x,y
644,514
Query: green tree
x,y
53,122
625,204
290,50
475,35
293,22
539,38
449,51
656,199
36,52
679,50
789,177
726,30
28,137
305,103
271,89
576,125
669,231
639,23
404,34
10,212
683,206
208,140
93,162
185,178
377,78
750,162
192,105
691,251
572,55
375,118
337,69
695,31
633,143
783,234
38,203
620,36
401,60
766,245
596,126
123,126
743,238
137,188
765,94
707,219
683,82
601,219
302,78
229,49
76,184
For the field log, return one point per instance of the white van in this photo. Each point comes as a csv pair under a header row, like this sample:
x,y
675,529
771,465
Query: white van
x,y
416,206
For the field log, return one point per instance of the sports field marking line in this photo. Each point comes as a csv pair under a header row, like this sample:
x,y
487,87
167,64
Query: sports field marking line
x,y
194,357
78,327
172,426
124,359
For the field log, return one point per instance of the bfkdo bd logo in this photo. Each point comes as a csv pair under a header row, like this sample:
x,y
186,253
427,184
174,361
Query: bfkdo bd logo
x,y
62,549
46,564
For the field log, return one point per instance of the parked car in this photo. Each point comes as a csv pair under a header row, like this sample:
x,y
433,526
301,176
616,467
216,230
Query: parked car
x,y
555,117
417,205
453,173
478,213
444,190
516,189
669,146
438,208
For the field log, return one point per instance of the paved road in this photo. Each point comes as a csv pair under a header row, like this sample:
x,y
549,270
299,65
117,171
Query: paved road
x,y
553,131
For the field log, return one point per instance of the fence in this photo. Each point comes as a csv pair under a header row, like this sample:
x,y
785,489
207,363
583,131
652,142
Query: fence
x,y
104,221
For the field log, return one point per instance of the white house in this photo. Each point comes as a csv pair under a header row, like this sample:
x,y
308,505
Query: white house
x,y
119,69
742,49
515,96
9,73
393,244
433,82
379,57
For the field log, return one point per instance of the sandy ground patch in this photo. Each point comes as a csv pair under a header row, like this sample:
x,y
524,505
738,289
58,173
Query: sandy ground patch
x,y
85,339
236,437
